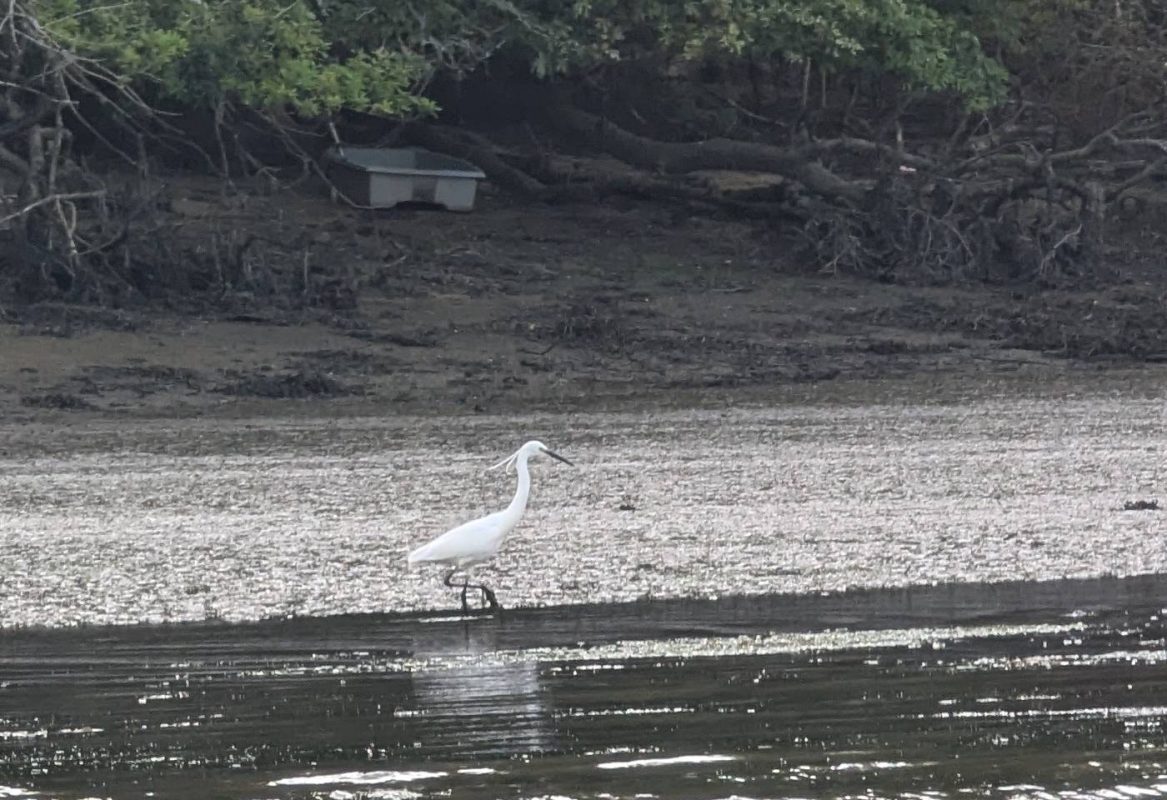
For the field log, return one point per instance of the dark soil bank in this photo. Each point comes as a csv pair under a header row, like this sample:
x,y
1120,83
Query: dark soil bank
x,y
541,307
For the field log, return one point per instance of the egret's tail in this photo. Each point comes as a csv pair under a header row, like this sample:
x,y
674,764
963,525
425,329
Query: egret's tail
x,y
419,554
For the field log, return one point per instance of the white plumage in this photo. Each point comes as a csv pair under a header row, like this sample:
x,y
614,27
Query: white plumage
x,y
474,542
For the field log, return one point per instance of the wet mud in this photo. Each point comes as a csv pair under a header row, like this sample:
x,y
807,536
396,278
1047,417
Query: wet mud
x,y
168,521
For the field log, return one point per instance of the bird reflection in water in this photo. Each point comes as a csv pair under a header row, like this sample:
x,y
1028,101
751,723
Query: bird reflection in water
x,y
489,707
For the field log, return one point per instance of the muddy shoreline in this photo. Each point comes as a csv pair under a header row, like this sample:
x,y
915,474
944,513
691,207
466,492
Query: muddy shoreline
x,y
547,308
117,520
589,625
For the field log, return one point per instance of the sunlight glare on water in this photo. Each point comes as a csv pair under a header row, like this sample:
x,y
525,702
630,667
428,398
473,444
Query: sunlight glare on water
x,y
109,522
932,692
357,778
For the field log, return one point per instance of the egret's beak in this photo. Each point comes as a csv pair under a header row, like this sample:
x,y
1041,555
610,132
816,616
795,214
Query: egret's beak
x,y
557,457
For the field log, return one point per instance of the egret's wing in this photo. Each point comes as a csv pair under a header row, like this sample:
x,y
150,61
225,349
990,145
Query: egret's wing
x,y
470,540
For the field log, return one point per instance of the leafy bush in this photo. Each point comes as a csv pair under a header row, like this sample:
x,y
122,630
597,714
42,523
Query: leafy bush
x,y
906,38
260,53
375,55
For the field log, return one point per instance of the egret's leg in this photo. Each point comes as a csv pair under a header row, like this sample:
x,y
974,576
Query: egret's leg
x,y
466,586
487,595
490,598
448,580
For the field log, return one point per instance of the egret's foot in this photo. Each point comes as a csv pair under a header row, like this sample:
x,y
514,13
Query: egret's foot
x,y
489,597
465,604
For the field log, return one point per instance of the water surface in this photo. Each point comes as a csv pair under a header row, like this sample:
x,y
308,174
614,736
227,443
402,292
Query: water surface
x,y
116,522
1014,690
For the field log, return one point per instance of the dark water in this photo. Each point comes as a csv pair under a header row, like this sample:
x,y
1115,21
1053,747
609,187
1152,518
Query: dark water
x,y
1055,689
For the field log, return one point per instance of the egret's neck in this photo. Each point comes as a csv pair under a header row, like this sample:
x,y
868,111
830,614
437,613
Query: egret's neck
x,y
519,504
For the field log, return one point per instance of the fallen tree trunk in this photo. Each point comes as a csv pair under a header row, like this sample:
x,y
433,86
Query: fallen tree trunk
x,y
1023,209
681,157
474,148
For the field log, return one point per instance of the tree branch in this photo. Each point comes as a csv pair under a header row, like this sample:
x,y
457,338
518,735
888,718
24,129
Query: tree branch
x,y
682,157
53,198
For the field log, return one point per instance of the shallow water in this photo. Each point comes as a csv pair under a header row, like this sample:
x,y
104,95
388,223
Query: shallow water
x,y
115,522
1015,690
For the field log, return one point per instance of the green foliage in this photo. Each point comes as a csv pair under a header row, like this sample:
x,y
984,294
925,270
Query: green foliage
x,y
999,22
448,34
261,53
372,55
909,38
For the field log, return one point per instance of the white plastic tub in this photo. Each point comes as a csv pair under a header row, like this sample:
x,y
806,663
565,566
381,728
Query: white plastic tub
x,y
382,177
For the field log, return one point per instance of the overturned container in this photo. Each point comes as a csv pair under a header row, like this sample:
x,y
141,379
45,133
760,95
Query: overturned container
x,y
382,177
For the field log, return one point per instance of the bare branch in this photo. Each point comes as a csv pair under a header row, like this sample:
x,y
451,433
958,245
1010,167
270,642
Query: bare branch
x,y
54,198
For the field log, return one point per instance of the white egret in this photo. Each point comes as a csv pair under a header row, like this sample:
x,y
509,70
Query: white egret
x,y
474,542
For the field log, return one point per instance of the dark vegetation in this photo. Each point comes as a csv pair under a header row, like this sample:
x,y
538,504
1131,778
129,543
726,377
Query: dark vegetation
x,y
925,141
294,385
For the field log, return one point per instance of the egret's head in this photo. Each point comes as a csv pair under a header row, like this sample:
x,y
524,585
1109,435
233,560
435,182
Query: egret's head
x,y
531,448
535,447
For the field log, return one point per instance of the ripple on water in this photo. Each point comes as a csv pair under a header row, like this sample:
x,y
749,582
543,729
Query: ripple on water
x,y
322,712
617,656
372,778
666,761
1116,792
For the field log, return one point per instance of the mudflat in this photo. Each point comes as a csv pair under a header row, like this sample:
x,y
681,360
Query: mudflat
x,y
519,307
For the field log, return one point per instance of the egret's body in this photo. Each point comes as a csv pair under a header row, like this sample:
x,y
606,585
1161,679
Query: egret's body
x,y
474,542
